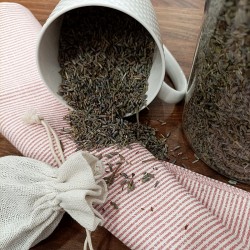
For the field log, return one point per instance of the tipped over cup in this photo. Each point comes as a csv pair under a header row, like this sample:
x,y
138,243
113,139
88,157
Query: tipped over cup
x,y
143,12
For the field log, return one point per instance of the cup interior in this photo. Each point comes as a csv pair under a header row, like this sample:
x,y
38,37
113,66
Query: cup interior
x,y
48,65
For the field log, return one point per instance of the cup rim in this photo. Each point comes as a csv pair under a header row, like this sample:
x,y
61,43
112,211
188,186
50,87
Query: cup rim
x,y
63,11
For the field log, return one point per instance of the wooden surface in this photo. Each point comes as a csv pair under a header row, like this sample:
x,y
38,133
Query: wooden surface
x,y
180,22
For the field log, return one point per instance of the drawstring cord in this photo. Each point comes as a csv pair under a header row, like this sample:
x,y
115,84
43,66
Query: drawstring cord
x,y
88,241
32,118
50,133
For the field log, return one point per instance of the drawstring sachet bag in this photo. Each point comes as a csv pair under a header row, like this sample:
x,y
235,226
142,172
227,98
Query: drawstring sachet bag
x,y
184,210
34,195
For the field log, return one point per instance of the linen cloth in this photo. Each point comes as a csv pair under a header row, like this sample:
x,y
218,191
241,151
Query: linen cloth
x,y
34,197
185,211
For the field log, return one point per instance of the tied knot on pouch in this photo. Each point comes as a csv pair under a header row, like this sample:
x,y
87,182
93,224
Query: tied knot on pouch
x,y
43,193
31,117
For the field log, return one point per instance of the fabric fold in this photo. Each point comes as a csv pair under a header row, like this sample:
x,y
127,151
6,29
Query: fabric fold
x,y
77,183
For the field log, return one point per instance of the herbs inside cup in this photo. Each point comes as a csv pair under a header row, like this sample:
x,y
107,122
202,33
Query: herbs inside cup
x,y
105,58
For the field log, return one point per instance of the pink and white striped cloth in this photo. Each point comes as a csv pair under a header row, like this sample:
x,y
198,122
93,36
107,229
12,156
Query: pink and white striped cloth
x,y
185,211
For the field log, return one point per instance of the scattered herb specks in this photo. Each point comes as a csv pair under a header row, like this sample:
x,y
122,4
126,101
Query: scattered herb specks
x,y
114,205
156,184
147,177
232,182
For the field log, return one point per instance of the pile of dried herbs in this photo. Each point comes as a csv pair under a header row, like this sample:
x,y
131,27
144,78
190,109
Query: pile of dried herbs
x,y
105,58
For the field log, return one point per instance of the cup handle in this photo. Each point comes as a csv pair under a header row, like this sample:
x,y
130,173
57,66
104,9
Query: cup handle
x,y
173,69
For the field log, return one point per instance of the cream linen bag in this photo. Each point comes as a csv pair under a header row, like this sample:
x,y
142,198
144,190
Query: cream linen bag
x,y
34,197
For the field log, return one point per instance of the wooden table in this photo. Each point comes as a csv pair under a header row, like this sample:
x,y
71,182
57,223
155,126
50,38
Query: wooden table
x,y
180,22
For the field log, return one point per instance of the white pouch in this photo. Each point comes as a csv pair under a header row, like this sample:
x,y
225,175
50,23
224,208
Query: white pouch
x,y
34,197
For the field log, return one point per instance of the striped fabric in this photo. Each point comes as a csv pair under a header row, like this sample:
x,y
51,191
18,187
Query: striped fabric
x,y
184,211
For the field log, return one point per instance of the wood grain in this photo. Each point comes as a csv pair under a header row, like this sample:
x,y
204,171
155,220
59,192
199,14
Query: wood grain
x,y
180,22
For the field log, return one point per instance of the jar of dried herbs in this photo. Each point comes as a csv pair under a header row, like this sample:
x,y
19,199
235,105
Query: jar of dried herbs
x,y
216,117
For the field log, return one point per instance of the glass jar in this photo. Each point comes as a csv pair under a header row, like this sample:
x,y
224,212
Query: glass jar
x,y
216,117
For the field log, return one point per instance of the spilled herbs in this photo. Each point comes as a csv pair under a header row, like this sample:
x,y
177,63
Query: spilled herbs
x,y
105,65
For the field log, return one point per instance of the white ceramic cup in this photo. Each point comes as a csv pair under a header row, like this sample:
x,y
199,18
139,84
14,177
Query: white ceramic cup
x,y
140,10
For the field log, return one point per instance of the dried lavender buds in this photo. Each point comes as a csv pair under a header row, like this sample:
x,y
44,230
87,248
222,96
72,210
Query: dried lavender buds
x,y
105,58
217,113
